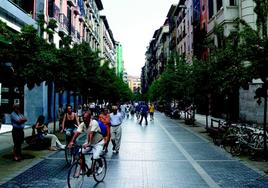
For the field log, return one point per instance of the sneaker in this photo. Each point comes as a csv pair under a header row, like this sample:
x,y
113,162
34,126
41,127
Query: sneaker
x,y
100,169
114,151
53,148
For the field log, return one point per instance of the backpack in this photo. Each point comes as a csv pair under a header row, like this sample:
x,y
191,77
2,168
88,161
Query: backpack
x,y
103,128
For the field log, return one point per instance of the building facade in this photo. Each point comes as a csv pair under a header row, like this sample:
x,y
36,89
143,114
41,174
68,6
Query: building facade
x,y
190,22
134,83
79,19
119,60
107,43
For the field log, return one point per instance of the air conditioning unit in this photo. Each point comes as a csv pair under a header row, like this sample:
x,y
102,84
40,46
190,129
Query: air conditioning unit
x,y
16,90
16,101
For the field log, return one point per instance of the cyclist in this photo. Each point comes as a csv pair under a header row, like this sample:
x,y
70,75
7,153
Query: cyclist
x,y
94,139
69,123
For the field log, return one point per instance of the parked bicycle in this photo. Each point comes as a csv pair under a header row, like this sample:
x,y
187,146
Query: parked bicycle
x,y
80,169
240,138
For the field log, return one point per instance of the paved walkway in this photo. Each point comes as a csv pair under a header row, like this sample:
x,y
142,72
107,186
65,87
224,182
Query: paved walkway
x,y
163,154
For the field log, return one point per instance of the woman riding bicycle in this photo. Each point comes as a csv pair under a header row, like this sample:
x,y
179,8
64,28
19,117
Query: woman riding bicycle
x,y
69,124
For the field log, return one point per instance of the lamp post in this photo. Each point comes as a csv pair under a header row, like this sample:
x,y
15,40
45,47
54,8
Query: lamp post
x,y
265,84
262,92
264,125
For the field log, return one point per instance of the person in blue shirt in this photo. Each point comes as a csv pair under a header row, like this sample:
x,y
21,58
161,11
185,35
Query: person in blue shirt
x,y
144,112
17,121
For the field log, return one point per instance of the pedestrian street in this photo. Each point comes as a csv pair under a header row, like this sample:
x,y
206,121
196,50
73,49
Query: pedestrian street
x,y
162,154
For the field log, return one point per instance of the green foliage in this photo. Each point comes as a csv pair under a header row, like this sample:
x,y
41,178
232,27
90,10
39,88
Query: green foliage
x,y
261,9
173,83
74,69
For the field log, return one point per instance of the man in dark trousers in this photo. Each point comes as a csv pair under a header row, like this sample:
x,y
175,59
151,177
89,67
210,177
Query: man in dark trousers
x,y
144,112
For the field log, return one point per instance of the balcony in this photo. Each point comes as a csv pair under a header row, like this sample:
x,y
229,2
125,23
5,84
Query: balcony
x,y
71,30
63,20
82,18
16,15
89,6
72,2
76,11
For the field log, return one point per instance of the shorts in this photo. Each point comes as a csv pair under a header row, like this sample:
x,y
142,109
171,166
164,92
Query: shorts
x,y
96,149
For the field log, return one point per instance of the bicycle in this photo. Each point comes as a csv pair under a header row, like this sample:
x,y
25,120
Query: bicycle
x,y
69,151
80,169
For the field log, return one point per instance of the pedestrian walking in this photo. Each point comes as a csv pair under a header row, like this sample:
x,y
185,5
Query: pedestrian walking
x,y
137,110
17,121
104,117
116,119
151,111
60,115
80,113
144,113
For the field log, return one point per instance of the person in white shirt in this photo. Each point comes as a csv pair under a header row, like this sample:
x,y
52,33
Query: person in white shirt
x,y
94,136
116,119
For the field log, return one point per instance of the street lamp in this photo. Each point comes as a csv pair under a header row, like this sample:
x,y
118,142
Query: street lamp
x,y
265,87
262,92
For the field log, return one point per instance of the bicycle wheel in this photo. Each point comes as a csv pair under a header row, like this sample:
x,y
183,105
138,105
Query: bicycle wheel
x,y
235,149
68,155
100,168
76,175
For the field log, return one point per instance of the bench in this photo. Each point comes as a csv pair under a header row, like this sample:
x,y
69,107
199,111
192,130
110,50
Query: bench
x,y
216,130
37,141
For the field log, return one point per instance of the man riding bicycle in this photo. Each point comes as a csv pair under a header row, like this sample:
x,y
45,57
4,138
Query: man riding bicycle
x,y
94,139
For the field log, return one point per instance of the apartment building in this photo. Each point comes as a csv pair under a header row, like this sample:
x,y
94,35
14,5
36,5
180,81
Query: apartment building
x,y
134,83
15,17
119,59
79,19
107,42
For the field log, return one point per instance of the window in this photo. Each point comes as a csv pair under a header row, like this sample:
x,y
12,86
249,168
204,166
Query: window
x,y
210,8
219,5
50,8
232,2
50,38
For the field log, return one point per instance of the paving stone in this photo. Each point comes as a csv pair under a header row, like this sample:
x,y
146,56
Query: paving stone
x,y
233,174
149,158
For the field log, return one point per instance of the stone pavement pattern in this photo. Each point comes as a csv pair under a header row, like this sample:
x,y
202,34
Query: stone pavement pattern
x,y
162,154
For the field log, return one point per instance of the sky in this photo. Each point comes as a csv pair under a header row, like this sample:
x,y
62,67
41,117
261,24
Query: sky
x,y
133,23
